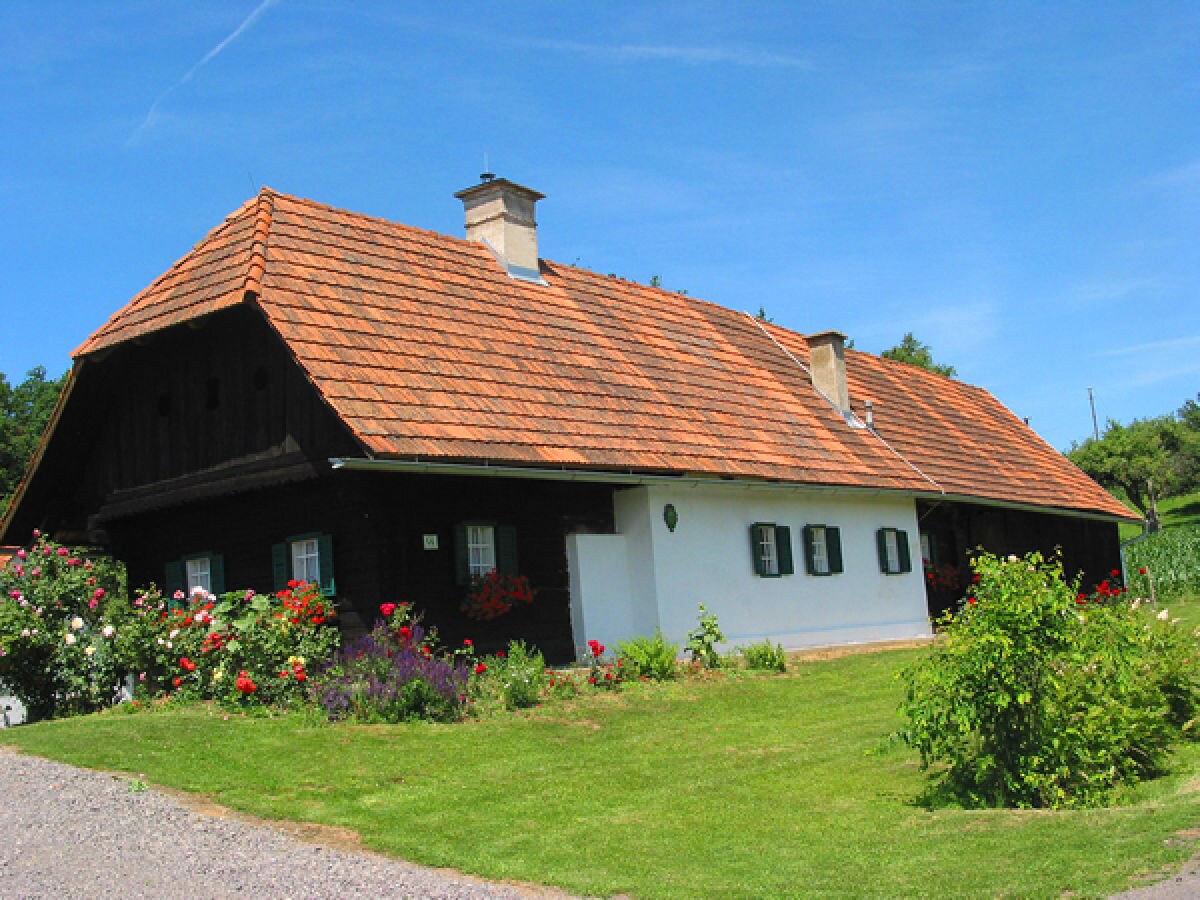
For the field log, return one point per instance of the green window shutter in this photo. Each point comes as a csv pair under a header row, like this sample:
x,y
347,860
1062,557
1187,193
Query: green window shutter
x,y
783,547
460,553
881,543
173,579
833,547
216,572
281,565
809,561
755,555
905,558
328,584
506,549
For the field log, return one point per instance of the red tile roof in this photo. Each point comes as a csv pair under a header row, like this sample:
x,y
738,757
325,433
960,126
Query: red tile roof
x,y
428,350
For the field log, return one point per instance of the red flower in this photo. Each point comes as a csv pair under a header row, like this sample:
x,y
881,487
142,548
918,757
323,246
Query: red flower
x,y
467,642
405,633
178,681
301,677
245,684
480,669
596,647
1141,571
972,601
187,665
1116,573
283,674
387,609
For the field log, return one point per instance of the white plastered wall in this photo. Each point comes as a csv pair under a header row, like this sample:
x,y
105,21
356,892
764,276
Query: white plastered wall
x,y
645,576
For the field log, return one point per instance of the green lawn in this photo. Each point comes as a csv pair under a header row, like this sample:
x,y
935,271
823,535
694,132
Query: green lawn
x,y
761,786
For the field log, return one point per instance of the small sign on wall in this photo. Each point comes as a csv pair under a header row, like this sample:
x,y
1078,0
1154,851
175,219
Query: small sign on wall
x,y
430,541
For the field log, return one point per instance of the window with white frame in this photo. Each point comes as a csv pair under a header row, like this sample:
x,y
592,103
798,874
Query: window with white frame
x,y
894,558
481,550
823,549
198,574
306,560
771,546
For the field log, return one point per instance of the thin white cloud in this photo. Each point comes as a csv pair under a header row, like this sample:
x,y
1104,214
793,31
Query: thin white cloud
x,y
1185,176
738,56
204,60
1157,347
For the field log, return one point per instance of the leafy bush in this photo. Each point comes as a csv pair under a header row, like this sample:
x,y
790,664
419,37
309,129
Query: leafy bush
x,y
241,648
703,639
394,674
1170,559
513,679
649,657
1039,696
765,656
62,611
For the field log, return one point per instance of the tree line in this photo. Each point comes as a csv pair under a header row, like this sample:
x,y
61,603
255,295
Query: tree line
x,y
1147,460
25,409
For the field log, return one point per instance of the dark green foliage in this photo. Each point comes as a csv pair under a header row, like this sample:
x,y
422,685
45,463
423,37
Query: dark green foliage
x,y
916,353
24,411
1037,696
648,657
1145,460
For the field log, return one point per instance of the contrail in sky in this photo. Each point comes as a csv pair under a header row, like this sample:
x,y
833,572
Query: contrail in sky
x,y
246,23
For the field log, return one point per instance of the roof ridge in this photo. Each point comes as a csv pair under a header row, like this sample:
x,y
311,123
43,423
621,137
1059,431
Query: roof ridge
x,y
258,242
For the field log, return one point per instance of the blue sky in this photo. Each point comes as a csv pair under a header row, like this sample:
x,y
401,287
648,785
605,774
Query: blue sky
x,y
1018,183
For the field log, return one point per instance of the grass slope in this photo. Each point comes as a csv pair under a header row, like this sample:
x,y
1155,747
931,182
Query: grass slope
x,y
734,787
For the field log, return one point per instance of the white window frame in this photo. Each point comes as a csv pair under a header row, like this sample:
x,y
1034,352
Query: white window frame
x,y
768,550
481,550
891,549
197,572
820,550
306,560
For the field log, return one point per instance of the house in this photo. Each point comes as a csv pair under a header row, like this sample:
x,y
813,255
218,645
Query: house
x,y
312,393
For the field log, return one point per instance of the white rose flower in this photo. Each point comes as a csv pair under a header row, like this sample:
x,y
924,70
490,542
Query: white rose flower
x,y
76,623
1162,616
174,631
108,631
89,650
69,639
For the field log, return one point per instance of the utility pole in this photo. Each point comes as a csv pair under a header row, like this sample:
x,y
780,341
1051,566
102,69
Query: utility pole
x,y
1092,401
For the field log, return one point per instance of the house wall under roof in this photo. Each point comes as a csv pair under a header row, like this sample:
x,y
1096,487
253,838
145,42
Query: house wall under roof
x,y
649,576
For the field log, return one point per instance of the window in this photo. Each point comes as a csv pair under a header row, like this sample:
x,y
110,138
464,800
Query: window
x,y
822,549
307,558
482,547
198,573
894,557
771,549
306,561
206,570
481,550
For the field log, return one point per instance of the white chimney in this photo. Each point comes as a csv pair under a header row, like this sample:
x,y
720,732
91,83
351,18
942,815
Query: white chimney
x,y
500,214
827,362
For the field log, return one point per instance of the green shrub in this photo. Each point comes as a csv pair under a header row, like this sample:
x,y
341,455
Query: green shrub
x,y
63,614
652,658
1165,564
1038,696
518,676
703,639
765,656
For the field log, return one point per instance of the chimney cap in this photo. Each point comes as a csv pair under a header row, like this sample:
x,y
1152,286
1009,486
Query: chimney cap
x,y
829,336
489,183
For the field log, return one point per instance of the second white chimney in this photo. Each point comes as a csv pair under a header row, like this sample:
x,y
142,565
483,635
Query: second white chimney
x,y
501,214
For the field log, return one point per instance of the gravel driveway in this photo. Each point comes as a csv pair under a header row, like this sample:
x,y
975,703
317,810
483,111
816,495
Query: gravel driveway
x,y
67,832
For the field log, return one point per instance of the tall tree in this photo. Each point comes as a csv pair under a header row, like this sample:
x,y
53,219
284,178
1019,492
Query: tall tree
x,y
916,353
1148,459
24,411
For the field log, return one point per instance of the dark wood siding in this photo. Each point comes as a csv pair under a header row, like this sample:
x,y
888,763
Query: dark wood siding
x,y
1090,548
378,522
